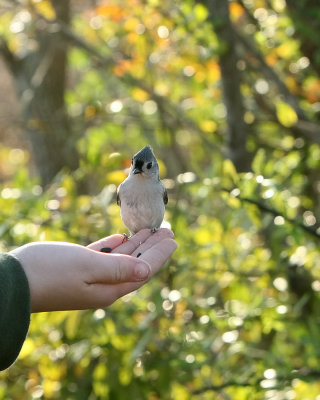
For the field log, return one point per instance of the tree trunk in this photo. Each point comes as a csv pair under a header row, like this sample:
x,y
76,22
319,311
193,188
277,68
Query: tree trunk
x,y
236,134
305,17
40,80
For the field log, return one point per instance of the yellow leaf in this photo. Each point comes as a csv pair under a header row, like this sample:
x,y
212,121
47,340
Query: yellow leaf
x,y
114,210
203,237
200,76
234,202
213,71
206,371
116,177
131,24
110,327
287,49
286,114
139,94
49,387
229,169
45,8
248,117
52,371
162,88
201,12
208,126
179,392
132,37
162,169
28,348
72,324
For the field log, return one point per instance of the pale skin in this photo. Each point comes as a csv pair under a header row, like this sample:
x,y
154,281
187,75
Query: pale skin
x,y
67,276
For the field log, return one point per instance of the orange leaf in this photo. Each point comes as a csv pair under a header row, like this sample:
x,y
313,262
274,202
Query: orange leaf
x,y
123,67
312,92
112,11
292,85
271,60
236,10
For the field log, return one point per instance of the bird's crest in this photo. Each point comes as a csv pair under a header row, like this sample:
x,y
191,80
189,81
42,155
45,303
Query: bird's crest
x,y
144,154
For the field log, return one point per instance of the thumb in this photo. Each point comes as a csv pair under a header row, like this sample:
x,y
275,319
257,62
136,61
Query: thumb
x,y
118,268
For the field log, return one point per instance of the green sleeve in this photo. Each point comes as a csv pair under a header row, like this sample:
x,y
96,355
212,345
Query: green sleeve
x,y
14,309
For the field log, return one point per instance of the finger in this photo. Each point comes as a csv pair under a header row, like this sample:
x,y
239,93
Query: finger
x,y
110,242
157,256
117,268
159,253
152,240
143,236
133,242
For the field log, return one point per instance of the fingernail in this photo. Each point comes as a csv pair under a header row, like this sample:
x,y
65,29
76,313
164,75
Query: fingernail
x,y
141,272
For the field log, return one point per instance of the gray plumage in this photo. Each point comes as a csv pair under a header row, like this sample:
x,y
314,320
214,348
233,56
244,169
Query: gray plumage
x,y
142,196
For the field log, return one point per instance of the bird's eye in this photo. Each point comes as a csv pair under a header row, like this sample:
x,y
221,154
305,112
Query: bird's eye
x,y
131,161
149,165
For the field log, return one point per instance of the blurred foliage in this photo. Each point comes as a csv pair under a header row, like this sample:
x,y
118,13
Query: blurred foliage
x,y
235,314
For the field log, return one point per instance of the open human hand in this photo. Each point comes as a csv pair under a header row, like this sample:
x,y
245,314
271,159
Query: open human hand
x,y
67,276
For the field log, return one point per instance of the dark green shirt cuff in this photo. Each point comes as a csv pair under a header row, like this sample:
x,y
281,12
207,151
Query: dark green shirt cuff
x,y
14,309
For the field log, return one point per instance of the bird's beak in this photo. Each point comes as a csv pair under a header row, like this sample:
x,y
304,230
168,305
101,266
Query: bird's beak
x,y
137,171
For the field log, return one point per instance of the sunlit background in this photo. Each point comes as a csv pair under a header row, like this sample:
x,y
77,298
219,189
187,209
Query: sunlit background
x,y
228,96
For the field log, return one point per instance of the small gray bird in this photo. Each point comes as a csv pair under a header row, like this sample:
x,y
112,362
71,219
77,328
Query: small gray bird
x,y
142,196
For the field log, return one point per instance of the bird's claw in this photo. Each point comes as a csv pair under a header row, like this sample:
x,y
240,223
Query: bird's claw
x,y
125,238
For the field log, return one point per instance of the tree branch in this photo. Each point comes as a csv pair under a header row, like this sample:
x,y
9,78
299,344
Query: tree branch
x,y
308,129
302,373
8,56
59,25
270,73
304,126
262,207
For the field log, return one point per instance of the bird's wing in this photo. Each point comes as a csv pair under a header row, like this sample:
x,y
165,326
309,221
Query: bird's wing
x,y
118,196
165,196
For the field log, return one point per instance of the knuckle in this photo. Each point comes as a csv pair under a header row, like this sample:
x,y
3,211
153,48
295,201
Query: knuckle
x,y
120,271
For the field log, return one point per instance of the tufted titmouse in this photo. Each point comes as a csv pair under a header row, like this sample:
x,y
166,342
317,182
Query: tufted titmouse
x,y
142,196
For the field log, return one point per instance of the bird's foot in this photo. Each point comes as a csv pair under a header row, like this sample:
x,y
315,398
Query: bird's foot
x,y
125,238
153,230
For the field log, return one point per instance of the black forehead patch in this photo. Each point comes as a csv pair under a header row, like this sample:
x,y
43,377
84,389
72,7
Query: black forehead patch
x,y
139,163
144,154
